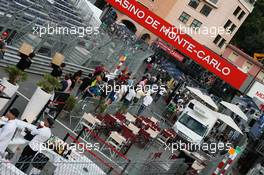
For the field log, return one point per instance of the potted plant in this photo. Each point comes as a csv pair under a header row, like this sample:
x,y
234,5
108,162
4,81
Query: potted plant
x,y
10,84
41,96
70,104
15,75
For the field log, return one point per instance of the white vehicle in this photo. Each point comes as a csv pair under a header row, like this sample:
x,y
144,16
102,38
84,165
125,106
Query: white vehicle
x,y
195,122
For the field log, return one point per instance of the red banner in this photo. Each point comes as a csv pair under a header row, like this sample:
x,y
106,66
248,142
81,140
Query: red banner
x,y
172,52
182,42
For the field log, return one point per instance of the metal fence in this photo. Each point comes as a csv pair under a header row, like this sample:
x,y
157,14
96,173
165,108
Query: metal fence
x,y
44,167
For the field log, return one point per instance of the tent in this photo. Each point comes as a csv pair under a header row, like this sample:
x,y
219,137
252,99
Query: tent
x,y
229,121
207,99
234,108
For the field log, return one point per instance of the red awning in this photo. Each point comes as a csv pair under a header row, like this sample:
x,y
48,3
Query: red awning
x,y
170,51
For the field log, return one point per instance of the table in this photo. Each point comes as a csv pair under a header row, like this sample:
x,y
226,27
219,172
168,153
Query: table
x,y
133,128
130,117
153,134
169,133
117,137
91,119
197,166
154,120
87,118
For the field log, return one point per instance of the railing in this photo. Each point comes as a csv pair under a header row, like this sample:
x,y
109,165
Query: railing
x,y
40,64
260,148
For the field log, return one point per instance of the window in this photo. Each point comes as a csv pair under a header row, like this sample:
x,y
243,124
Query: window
x,y
232,28
184,17
242,14
194,3
238,9
261,76
214,1
247,66
233,57
206,10
222,42
193,124
227,24
217,38
196,24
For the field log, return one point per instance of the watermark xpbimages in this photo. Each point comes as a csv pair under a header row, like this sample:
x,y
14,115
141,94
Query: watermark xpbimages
x,y
118,88
211,31
192,147
79,31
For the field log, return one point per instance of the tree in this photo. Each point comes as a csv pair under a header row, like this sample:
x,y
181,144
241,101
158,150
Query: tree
x,y
250,37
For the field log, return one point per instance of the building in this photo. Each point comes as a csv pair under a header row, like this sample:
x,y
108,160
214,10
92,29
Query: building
x,y
245,62
213,23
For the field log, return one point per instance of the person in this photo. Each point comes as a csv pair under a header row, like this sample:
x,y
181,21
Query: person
x,y
129,96
130,81
159,93
113,94
148,68
146,102
122,92
92,91
103,95
143,82
99,70
140,93
66,84
87,81
25,61
41,135
7,130
76,78
3,44
57,70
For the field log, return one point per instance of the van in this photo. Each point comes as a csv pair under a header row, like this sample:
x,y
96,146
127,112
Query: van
x,y
195,122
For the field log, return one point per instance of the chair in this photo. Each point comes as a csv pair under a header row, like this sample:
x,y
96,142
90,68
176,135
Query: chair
x,y
157,155
127,133
154,120
120,117
87,121
143,138
109,120
162,140
115,140
39,161
173,157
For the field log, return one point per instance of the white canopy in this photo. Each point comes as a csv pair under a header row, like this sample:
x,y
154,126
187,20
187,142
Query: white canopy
x,y
207,99
229,121
234,108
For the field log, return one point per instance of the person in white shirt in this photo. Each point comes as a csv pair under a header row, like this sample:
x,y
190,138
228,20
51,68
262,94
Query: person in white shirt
x,y
41,135
146,102
128,99
7,130
138,96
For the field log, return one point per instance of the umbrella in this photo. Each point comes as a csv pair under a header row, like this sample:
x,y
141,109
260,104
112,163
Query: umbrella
x,y
234,108
207,99
229,121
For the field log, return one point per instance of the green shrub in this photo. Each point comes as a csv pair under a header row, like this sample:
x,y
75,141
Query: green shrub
x,y
70,103
49,83
15,75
